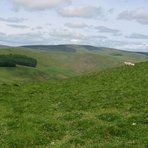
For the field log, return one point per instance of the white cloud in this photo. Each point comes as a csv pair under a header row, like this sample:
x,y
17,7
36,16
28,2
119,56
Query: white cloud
x,y
75,41
82,11
140,15
66,33
39,4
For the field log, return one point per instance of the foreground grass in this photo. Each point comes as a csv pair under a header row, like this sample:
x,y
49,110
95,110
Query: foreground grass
x,y
103,110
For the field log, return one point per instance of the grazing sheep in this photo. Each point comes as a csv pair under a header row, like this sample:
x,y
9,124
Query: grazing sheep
x,y
129,63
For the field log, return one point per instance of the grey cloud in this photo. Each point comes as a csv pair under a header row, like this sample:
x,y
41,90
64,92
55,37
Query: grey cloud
x,y
82,11
98,37
39,27
12,19
140,15
18,26
76,25
110,10
137,36
103,29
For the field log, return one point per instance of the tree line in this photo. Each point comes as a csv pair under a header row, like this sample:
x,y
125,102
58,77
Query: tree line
x,y
12,60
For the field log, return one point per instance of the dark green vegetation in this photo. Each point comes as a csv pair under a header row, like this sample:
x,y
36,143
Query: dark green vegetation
x,y
13,60
64,61
100,110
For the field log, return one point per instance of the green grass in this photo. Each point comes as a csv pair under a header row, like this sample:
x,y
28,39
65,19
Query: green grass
x,y
59,65
105,110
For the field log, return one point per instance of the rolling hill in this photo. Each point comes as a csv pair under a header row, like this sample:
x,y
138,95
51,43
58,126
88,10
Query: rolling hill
x,y
112,53
145,53
106,109
64,61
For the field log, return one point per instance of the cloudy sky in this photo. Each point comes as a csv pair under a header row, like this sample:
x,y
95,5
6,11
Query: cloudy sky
x,y
111,23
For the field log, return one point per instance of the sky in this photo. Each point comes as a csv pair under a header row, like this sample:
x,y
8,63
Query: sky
x,y
121,24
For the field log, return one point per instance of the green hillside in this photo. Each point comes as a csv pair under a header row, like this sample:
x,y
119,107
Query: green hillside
x,y
105,110
64,61
119,54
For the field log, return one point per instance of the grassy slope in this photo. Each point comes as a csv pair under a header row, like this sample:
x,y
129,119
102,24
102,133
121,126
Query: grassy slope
x,y
53,65
103,110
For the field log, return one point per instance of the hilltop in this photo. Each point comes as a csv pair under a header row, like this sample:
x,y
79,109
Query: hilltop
x,y
64,61
106,109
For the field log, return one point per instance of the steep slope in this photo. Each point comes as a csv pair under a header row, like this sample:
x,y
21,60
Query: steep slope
x,y
107,109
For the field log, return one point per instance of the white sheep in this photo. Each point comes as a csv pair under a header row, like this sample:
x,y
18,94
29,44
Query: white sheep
x,y
129,63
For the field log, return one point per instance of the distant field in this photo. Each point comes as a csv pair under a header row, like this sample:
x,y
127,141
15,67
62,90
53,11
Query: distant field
x,y
107,110
57,62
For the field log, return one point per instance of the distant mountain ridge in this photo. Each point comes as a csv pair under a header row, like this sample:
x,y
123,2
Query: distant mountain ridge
x,y
4,46
65,47
71,48
51,47
74,47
